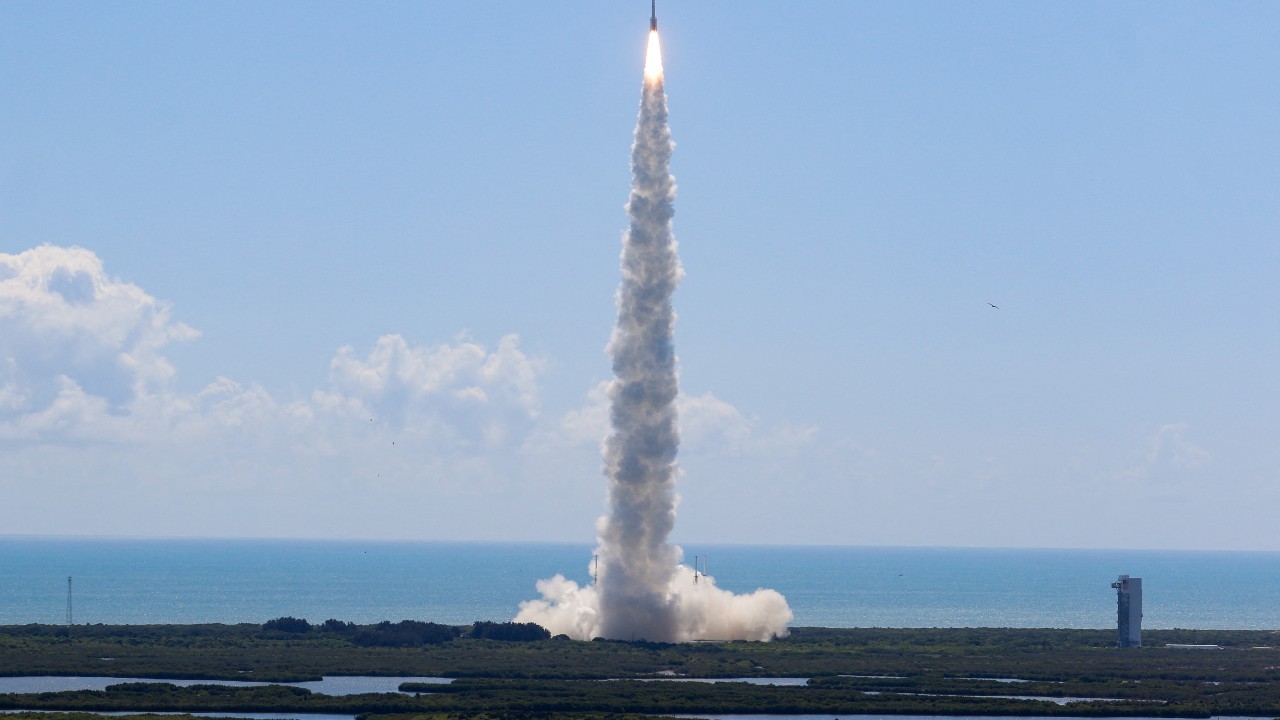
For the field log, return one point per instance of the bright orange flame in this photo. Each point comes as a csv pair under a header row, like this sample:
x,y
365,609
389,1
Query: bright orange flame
x,y
653,59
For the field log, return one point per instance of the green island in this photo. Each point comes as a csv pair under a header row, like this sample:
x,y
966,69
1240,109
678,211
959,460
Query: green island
x,y
506,671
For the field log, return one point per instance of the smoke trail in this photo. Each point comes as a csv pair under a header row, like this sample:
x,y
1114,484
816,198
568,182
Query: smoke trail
x,y
641,593
640,455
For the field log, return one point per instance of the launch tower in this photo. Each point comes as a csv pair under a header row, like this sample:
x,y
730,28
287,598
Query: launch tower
x,y
1128,611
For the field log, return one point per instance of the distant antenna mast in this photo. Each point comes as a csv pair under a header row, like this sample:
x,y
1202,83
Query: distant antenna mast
x,y
70,620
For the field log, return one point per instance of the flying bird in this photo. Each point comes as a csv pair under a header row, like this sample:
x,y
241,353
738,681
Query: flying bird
x,y
994,305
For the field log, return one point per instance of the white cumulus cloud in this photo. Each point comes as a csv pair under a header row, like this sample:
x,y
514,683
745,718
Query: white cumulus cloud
x,y
87,392
76,345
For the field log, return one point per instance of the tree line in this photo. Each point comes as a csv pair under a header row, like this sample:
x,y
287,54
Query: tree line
x,y
410,633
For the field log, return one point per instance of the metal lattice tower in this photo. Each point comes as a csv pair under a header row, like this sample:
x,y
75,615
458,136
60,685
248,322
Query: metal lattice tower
x,y
70,620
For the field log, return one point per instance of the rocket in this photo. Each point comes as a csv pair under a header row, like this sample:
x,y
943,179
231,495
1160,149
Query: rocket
x,y
653,14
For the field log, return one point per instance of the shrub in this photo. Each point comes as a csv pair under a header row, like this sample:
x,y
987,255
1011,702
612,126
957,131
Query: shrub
x,y
510,631
287,624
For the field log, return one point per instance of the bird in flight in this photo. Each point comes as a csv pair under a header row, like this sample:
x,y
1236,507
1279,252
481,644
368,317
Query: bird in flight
x,y
994,305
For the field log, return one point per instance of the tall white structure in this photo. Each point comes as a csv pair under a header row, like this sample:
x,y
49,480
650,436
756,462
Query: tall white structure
x,y
1128,611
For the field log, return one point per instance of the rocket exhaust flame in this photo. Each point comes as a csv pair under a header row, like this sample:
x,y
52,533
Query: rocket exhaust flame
x,y
653,59
640,592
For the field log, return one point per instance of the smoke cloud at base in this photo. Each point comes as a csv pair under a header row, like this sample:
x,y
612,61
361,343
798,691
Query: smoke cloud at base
x,y
700,611
641,592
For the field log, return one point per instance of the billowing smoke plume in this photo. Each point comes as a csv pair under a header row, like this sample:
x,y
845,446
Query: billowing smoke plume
x,y
642,593
698,610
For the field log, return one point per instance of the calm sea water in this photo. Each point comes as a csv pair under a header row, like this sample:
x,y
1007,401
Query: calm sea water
x,y
230,581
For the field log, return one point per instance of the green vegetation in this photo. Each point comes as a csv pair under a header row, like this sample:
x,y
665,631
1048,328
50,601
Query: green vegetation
x,y
509,631
288,624
404,634
509,671
415,716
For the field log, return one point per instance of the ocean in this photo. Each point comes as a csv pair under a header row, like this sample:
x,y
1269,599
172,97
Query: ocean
x,y
119,581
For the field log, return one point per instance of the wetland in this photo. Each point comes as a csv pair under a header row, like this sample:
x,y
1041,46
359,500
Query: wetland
x,y
828,672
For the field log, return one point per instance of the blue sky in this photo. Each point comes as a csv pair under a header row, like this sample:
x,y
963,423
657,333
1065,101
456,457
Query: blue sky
x,y
307,231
